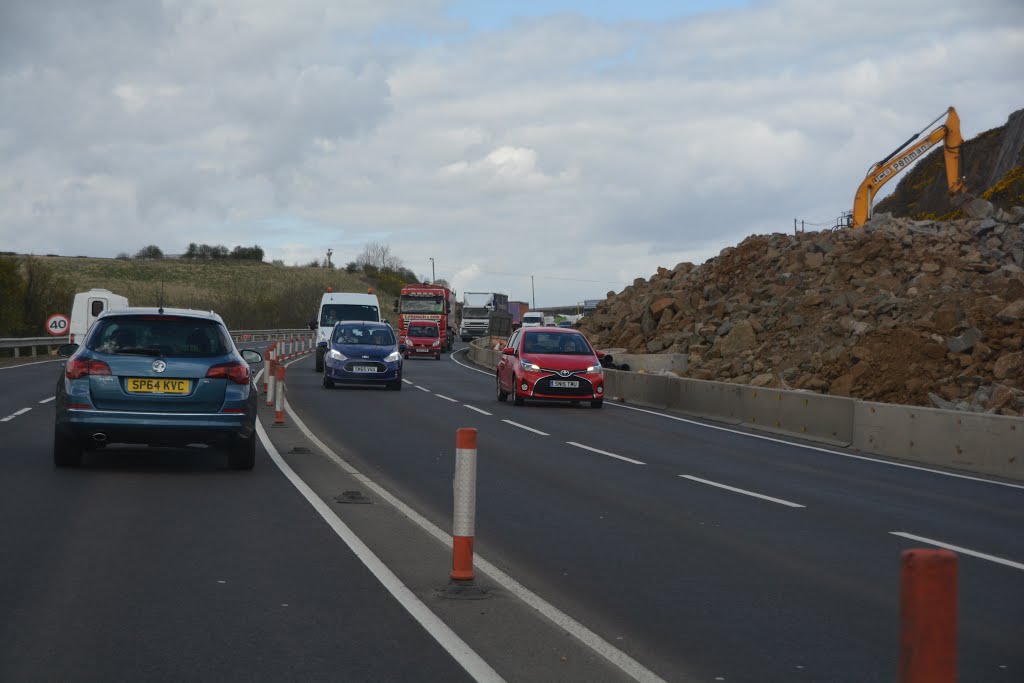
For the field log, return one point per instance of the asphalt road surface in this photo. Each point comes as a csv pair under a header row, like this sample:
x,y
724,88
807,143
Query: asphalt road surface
x,y
702,553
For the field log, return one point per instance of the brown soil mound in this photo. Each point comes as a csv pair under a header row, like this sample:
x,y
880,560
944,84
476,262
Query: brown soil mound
x,y
901,311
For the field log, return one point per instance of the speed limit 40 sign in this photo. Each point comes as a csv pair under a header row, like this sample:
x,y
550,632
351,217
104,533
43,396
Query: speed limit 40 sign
x,y
57,324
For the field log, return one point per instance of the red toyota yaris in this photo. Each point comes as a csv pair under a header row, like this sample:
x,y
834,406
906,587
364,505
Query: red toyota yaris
x,y
552,364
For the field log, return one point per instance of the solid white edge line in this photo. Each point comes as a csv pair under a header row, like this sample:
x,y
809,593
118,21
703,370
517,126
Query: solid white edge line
x,y
453,400
47,400
479,410
529,429
624,662
816,448
465,656
965,551
610,455
36,362
743,491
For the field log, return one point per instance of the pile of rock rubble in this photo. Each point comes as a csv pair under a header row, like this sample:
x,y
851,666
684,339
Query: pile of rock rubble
x,y
900,311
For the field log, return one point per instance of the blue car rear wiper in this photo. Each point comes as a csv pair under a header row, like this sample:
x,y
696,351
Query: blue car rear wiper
x,y
139,351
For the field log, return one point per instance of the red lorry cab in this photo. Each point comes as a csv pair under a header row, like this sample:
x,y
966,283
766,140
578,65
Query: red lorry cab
x,y
424,338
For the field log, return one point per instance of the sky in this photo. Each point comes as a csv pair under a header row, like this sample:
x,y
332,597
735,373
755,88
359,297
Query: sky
x,y
554,151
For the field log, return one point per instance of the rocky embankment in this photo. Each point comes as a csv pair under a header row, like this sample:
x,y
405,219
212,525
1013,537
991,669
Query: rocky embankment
x,y
900,311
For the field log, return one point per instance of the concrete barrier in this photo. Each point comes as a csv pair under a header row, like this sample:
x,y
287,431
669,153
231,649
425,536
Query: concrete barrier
x,y
814,416
990,444
986,444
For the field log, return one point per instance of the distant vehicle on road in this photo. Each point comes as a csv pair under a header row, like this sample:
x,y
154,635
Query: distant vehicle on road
x,y
423,338
427,302
552,364
364,352
160,377
87,307
337,306
533,319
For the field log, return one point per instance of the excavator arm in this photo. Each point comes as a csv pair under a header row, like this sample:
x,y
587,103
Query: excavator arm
x,y
914,148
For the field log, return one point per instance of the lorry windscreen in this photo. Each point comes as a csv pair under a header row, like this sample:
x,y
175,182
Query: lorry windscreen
x,y
419,304
474,312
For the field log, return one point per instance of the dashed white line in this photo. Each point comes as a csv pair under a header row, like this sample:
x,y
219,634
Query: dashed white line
x,y
743,491
808,447
965,551
453,400
529,429
15,414
406,381
482,412
422,388
47,400
610,455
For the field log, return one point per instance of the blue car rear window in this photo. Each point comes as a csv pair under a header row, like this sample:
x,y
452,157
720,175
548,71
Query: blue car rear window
x,y
159,336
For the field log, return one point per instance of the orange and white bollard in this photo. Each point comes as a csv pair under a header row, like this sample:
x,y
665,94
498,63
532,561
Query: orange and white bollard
x,y
279,396
271,380
464,520
268,373
928,616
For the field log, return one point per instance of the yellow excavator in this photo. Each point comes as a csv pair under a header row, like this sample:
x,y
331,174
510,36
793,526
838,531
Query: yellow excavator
x,y
914,148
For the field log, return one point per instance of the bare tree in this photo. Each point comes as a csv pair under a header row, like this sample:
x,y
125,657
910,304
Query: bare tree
x,y
378,255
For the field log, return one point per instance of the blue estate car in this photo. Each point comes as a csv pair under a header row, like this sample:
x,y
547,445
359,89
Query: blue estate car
x,y
363,352
156,376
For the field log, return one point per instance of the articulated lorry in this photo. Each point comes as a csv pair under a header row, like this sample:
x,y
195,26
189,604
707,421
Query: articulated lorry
x,y
479,309
427,302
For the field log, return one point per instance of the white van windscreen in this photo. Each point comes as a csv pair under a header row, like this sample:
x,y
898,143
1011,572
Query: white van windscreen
x,y
332,313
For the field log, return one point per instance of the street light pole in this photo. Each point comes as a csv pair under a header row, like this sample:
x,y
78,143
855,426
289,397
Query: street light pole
x,y
533,294
433,275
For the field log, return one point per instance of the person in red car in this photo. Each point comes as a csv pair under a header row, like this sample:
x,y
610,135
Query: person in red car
x,y
552,364
423,339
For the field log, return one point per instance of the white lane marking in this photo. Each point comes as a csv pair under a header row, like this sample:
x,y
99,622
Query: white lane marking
x,y
965,551
15,414
529,429
470,367
469,660
817,448
422,388
787,443
624,662
482,412
453,400
37,362
47,400
743,491
610,455
406,381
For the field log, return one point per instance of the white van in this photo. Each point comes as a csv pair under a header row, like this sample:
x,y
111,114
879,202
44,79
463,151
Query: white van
x,y
87,306
338,306
533,319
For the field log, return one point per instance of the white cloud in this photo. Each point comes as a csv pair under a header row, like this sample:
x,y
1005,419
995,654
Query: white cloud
x,y
583,153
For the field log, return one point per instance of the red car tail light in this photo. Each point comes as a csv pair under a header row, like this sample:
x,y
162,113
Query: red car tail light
x,y
237,372
78,368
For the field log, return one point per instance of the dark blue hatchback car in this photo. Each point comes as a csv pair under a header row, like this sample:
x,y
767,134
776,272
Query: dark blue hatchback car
x,y
160,377
363,352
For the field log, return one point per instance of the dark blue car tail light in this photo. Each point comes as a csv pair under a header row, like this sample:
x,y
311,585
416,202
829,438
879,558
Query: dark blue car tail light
x,y
236,372
78,406
79,368
233,410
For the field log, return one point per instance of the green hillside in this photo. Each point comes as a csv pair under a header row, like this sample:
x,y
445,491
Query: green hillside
x,y
247,294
